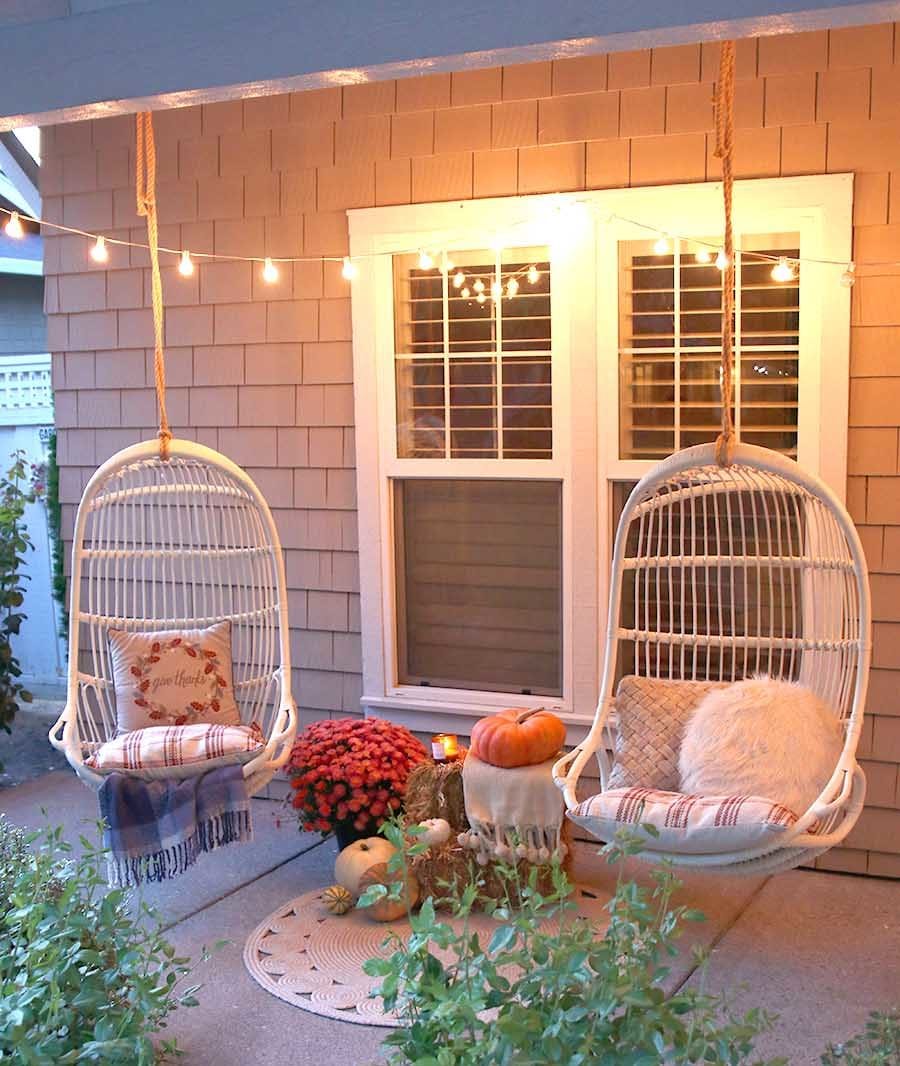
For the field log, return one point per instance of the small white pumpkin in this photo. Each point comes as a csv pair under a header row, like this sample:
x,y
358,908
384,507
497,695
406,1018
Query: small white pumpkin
x,y
356,859
437,832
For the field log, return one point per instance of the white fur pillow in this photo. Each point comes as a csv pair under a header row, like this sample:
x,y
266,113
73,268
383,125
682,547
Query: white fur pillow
x,y
760,738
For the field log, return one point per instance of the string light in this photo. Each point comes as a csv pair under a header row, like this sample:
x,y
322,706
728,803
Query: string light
x,y
703,255
722,260
848,278
349,269
465,294
425,261
269,271
661,245
448,265
99,252
14,227
782,271
534,275
496,289
478,285
512,287
481,297
185,264
459,279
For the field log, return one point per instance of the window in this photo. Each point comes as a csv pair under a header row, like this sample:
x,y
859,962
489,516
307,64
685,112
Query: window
x,y
512,390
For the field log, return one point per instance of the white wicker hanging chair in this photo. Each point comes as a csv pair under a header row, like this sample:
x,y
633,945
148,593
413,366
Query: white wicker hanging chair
x,y
179,542
725,572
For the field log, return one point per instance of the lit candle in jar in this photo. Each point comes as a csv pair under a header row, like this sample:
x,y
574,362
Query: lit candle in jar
x,y
444,747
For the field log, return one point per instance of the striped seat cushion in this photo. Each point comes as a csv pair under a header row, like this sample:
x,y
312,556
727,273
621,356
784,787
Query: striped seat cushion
x,y
689,825
174,751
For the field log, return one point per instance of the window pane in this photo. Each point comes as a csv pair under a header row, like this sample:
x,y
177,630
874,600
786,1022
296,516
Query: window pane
x,y
479,584
669,341
473,358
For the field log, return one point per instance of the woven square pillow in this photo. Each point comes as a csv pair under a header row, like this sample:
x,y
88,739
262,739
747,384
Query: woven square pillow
x,y
687,825
177,751
173,677
652,714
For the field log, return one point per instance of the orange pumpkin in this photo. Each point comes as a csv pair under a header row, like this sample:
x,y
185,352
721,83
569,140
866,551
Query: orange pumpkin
x,y
517,737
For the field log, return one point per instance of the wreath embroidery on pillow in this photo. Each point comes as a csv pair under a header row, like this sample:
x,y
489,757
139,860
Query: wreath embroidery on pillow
x,y
204,664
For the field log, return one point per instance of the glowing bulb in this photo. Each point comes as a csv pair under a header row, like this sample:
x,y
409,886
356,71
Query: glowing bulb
x,y
661,246
99,253
186,264
349,270
722,260
534,275
496,289
465,294
458,279
512,287
703,255
478,285
782,271
448,265
481,297
14,227
269,271
425,261
848,278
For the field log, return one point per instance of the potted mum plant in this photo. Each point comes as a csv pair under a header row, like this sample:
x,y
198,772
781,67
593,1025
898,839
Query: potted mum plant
x,y
349,775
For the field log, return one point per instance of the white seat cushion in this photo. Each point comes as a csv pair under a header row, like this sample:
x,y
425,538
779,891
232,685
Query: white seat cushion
x,y
177,751
688,825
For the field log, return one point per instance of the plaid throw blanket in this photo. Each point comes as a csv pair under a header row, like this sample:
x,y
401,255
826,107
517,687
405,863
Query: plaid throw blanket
x,y
155,830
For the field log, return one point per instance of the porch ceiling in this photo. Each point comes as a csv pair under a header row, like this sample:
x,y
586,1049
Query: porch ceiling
x,y
74,59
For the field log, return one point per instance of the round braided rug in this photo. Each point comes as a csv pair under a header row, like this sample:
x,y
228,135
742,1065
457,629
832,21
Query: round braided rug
x,y
314,960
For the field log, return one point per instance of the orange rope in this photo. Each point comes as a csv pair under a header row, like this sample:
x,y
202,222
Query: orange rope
x,y
725,152
145,191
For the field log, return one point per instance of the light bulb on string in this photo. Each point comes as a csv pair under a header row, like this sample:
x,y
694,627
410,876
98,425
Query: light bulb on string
x,y
459,279
478,285
349,269
185,264
848,278
99,252
534,275
425,261
269,271
14,227
448,265
496,289
782,271
481,297
722,260
465,294
703,255
512,287
661,245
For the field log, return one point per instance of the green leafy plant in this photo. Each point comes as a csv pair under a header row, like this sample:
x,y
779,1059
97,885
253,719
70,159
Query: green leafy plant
x,y
878,1045
83,977
54,525
14,542
550,986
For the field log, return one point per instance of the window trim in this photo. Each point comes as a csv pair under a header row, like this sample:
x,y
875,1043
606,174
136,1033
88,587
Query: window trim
x,y
583,242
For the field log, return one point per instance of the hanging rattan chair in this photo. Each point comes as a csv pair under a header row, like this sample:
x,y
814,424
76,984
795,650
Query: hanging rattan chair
x,y
182,542
725,572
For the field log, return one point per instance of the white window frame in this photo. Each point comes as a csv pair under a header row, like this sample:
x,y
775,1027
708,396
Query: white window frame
x,y
583,232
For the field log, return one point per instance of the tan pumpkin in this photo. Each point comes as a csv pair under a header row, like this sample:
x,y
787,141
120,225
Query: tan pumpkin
x,y
388,910
357,857
517,737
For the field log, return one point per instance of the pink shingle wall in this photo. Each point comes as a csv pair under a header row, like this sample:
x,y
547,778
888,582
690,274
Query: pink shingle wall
x,y
264,372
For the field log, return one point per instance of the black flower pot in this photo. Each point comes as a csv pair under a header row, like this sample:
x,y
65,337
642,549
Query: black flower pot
x,y
346,833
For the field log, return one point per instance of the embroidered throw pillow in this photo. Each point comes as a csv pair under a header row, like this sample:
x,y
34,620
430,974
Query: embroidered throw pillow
x,y
173,677
177,751
652,714
689,825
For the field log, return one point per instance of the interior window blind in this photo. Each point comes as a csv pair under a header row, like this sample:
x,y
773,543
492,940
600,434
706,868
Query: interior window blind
x,y
669,348
479,584
473,356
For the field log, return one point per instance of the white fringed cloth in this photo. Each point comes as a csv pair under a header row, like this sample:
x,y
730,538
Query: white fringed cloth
x,y
513,814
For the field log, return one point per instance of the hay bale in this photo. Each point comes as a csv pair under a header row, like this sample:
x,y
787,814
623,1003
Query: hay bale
x,y
435,790
445,871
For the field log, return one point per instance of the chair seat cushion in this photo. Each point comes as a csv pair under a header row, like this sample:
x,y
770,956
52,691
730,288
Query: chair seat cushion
x,y
177,751
688,825
173,677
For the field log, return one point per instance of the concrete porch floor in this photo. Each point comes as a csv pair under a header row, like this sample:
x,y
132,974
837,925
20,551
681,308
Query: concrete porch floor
x,y
821,950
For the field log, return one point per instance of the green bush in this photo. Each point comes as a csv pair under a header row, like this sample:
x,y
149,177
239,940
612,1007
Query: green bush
x,y
567,992
82,978
54,524
879,1045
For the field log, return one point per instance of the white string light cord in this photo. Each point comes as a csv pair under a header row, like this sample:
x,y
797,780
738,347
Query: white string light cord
x,y
783,268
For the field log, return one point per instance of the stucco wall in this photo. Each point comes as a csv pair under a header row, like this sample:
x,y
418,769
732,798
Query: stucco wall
x,y
23,329
265,373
